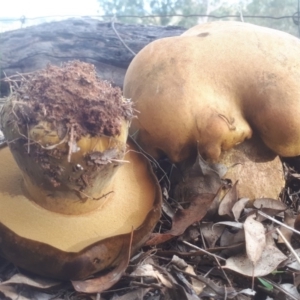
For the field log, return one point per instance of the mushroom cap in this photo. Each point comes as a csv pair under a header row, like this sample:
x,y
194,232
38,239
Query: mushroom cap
x,y
75,246
213,87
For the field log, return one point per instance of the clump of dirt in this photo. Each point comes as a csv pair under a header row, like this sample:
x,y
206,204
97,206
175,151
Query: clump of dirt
x,y
72,95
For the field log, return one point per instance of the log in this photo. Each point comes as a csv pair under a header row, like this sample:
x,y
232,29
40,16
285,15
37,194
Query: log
x,y
32,48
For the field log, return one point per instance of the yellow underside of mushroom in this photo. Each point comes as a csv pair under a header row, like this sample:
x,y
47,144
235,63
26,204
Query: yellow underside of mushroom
x,y
130,198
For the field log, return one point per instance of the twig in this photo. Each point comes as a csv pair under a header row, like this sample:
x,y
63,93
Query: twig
x,y
71,143
277,222
280,288
220,290
241,13
117,34
204,251
288,245
152,160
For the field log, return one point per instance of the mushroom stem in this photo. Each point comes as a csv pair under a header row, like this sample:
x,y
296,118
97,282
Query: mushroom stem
x,y
67,143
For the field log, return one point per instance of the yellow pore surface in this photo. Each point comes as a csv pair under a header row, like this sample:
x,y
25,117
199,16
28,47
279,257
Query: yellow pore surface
x,y
131,196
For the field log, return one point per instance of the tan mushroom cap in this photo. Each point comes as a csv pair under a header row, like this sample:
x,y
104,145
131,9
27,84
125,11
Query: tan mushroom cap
x,y
213,87
76,246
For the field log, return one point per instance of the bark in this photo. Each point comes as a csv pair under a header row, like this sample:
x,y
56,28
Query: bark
x,y
32,48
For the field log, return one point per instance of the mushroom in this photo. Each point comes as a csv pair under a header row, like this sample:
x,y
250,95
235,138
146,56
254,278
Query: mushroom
x,y
214,87
73,192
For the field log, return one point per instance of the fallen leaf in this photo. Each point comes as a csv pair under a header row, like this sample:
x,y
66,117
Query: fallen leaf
x,y
255,239
293,263
34,281
291,290
147,270
159,238
23,287
269,203
270,259
179,262
297,280
233,243
183,218
228,238
238,207
200,178
211,233
190,292
197,285
134,295
237,225
269,206
8,292
227,203
297,223
167,209
289,220
102,283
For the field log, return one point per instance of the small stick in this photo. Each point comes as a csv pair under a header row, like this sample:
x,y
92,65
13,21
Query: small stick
x,y
204,251
71,143
277,222
288,245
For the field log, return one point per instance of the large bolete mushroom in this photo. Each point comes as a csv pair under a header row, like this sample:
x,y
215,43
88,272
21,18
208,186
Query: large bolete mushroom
x,y
214,87
72,191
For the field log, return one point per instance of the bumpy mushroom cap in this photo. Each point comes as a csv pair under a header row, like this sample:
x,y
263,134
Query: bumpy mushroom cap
x,y
213,87
71,190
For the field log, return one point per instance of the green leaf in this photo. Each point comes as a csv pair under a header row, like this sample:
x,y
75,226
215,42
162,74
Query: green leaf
x,y
267,285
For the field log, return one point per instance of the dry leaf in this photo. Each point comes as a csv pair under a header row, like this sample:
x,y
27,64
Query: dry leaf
x,y
34,281
297,280
134,295
200,178
190,292
179,262
238,207
269,206
289,220
159,238
211,233
227,203
228,238
183,218
291,290
269,203
197,285
147,270
293,263
102,283
23,287
167,209
231,224
271,257
297,223
8,292
255,238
